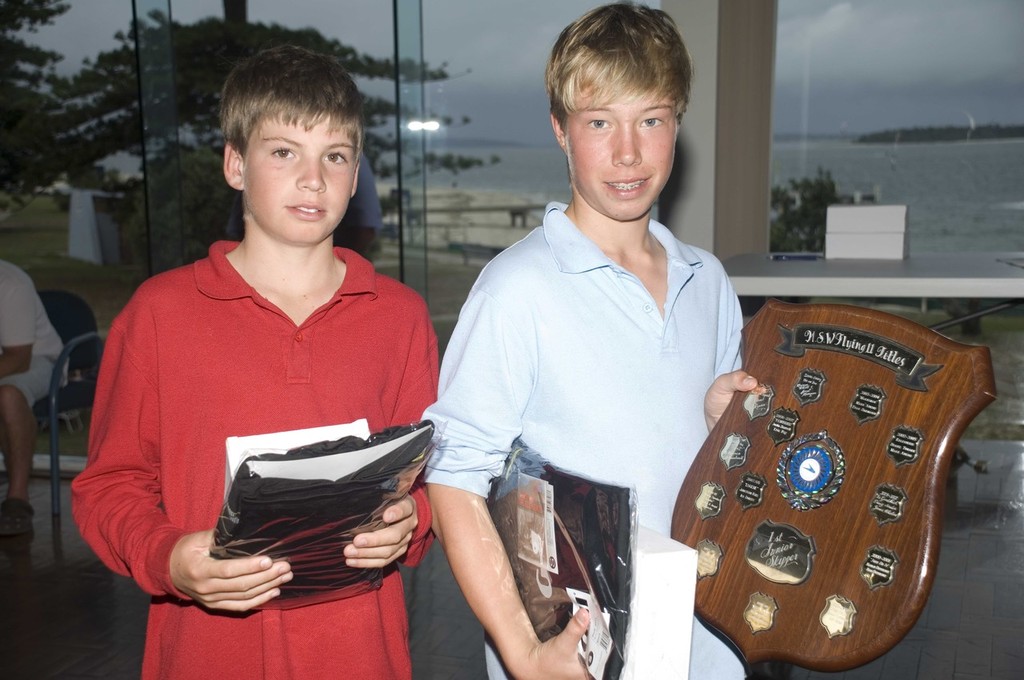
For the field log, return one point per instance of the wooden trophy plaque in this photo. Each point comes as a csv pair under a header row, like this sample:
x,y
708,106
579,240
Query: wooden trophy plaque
x,y
815,505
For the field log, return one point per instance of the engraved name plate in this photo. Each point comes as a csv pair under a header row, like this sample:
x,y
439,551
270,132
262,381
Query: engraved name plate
x,y
782,426
809,385
887,504
709,557
709,501
879,567
758,401
750,490
837,616
781,553
734,451
867,403
905,445
760,612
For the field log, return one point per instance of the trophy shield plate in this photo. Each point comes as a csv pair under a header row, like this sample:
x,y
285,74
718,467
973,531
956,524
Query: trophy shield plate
x,y
827,529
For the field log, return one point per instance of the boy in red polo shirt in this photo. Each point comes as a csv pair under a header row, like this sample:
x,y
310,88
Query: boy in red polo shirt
x,y
277,332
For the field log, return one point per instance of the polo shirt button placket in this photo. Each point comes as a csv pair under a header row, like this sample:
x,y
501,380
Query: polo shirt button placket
x,y
299,358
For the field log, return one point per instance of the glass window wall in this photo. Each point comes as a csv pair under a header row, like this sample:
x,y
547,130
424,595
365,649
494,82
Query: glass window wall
x,y
908,102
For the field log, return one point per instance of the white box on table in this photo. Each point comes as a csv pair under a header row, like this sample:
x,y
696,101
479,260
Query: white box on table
x,y
877,232
661,618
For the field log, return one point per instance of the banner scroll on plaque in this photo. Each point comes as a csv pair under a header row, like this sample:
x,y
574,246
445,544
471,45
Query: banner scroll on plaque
x,y
815,505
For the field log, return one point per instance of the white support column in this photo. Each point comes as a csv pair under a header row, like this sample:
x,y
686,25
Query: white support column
x,y
719,196
687,204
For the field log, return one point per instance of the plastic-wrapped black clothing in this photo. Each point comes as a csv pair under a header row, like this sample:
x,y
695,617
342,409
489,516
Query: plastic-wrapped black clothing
x,y
591,527
308,522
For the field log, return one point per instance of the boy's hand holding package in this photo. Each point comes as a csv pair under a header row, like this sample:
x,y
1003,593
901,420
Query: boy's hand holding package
x,y
559,657
380,548
245,583
237,585
339,510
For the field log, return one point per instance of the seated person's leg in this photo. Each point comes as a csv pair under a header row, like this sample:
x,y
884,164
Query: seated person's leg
x,y
18,430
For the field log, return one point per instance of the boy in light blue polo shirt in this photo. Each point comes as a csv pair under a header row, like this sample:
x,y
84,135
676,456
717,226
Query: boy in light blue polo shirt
x,y
601,340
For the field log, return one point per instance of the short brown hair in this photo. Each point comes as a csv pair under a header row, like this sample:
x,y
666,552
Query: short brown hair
x,y
615,51
290,85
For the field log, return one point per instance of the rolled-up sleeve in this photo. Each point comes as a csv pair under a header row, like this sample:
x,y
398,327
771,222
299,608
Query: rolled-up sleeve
x,y
486,378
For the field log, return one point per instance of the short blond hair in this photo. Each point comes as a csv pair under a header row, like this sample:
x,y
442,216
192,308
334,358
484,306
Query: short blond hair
x,y
622,50
290,85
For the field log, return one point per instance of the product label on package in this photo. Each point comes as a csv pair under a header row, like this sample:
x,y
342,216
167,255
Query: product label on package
x,y
596,645
536,508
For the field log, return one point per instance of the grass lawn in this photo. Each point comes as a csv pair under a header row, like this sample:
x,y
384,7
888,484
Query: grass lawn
x,y
36,239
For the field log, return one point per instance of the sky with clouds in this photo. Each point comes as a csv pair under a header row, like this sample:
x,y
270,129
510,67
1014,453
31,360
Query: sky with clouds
x,y
854,66
874,64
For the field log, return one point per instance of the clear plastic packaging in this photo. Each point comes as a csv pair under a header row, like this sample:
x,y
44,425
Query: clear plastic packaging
x,y
278,505
570,541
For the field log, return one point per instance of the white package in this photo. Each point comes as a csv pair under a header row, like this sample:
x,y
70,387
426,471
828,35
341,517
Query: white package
x,y
661,626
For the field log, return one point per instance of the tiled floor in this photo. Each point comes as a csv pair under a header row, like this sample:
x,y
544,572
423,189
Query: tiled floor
x,y
63,615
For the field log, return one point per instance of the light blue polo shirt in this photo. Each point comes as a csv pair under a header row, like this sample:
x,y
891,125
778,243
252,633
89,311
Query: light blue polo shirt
x,y
561,346
558,344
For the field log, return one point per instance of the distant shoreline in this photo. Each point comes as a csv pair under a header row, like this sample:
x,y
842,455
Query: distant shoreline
x,y
949,133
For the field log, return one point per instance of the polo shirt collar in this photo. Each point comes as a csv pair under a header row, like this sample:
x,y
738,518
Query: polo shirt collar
x,y
574,253
217,278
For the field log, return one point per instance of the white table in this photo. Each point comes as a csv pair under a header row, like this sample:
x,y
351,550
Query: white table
x,y
930,275
980,275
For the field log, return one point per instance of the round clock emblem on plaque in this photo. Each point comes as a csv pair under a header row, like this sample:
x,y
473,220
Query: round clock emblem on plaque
x,y
810,471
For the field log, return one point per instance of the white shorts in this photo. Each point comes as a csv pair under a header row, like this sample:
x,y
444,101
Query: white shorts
x,y
33,383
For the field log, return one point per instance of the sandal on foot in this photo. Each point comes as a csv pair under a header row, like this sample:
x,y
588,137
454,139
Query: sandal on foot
x,y
15,517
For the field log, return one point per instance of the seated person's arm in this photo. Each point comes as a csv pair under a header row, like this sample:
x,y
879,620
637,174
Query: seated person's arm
x,y
15,360
463,525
